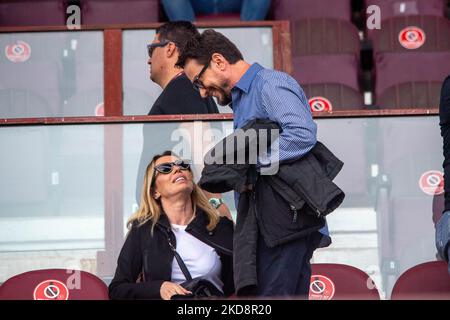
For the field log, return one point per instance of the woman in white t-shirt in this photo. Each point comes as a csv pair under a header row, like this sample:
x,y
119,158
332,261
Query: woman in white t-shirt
x,y
173,210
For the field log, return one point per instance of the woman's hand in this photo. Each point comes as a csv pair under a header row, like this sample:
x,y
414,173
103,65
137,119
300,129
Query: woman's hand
x,y
168,289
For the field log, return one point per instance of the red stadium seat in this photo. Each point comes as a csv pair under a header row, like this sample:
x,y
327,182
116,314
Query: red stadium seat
x,y
87,77
324,36
325,52
319,69
412,34
218,17
300,9
411,49
341,282
32,63
119,12
429,280
395,68
54,284
401,8
32,13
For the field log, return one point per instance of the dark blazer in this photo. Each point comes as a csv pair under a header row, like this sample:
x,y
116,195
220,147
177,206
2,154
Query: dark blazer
x,y
151,256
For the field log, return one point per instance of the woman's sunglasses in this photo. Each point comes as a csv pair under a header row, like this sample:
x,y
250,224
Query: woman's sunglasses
x,y
167,167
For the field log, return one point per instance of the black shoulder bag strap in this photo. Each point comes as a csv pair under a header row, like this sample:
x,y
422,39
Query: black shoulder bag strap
x,y
180,261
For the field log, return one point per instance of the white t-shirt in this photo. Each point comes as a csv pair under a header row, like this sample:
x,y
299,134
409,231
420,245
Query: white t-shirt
x,y
200,258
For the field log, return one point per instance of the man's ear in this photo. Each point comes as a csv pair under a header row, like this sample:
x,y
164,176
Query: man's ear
x,y
219,61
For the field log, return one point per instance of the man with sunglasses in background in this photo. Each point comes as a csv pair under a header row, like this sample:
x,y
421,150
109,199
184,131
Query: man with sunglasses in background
x,y
178,95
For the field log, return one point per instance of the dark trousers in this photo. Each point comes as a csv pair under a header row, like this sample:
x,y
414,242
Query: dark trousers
x,y
285,270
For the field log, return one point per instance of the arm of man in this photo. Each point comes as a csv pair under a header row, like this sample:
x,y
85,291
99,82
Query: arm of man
x,y
285,103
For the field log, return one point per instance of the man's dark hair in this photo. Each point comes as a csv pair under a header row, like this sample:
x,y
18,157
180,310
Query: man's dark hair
x,y
179,32
201,48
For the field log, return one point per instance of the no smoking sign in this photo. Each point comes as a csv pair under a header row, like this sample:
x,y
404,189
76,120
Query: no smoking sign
x,y
321,288
432,182
51,290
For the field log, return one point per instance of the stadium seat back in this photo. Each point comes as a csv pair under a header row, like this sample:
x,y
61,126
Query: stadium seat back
x,y
395,8
318,69
119,12
341,282
300,9
420,94
332,96
412,34
324,36
430,280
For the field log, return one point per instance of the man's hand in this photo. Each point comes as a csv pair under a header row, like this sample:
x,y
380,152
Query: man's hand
x,y
224,211
168,289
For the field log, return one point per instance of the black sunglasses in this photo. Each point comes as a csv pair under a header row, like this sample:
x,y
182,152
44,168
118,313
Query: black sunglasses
x,y
197,83
153,46
167,167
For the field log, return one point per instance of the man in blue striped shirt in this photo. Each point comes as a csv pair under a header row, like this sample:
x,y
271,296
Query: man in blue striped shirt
x,y
217,68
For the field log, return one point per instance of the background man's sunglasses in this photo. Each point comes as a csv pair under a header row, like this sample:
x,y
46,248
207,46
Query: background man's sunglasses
x,y
167,167
152,46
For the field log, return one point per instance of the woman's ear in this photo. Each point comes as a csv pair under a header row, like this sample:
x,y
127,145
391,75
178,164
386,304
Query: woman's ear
x,y
156,195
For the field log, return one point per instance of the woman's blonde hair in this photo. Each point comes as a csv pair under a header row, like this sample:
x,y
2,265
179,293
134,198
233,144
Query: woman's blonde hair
x,y
150,208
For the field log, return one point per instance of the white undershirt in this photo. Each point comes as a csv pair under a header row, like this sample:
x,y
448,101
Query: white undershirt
x,y
200,258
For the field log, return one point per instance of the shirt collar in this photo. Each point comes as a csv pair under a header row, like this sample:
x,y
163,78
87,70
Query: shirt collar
x,y
246,80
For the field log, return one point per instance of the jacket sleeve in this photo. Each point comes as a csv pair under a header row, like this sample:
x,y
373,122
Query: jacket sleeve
x,y
129,266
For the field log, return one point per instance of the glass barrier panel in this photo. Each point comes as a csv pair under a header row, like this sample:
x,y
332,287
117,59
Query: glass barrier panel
x,y
51,74
53,199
